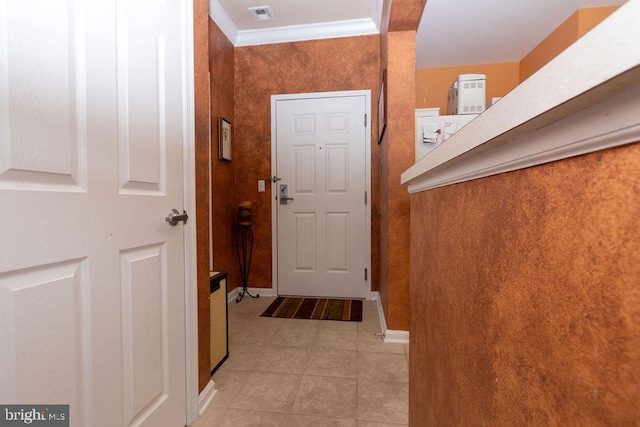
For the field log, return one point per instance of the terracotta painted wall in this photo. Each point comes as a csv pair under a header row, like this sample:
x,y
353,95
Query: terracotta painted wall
x,y
201,55
224,203
562,37
529,285
313,66
432,84
397,154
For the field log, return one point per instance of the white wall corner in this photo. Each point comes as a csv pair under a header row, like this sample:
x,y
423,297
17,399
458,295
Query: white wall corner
x,y
383,322
398,337
205,398
222,20
388,335
377,7
373,296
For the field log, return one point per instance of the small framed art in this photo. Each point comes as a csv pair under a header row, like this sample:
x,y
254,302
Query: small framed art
x,y
224,140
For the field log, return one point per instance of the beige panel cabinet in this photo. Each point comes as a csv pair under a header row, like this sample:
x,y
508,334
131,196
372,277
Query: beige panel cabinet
x,y
219,319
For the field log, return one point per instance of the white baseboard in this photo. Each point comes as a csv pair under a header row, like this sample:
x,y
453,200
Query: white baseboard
x,y
388,335
399,337
204,399
263,292
383,321
232,294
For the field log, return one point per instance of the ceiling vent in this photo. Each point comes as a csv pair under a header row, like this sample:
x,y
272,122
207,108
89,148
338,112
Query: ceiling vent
x,y
262,13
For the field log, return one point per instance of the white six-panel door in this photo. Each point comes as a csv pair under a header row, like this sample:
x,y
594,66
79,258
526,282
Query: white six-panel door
x,y
322,233
91,275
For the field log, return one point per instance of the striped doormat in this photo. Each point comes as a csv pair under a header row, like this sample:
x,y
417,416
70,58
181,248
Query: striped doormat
x,y
315,308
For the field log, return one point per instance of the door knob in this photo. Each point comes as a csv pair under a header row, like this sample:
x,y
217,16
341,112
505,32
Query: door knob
x,y
175,217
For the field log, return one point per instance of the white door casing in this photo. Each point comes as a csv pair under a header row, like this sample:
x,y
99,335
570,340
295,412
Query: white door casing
x,y
92,132
321,152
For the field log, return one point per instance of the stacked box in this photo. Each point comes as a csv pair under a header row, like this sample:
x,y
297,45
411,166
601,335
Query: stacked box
x,y
467,94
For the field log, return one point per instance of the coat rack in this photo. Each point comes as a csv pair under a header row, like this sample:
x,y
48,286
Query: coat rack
x,y
244,247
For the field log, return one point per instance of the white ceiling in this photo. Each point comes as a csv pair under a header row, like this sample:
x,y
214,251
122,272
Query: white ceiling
x,y
451,32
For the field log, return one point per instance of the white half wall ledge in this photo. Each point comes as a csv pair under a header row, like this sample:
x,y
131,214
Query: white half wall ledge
x,y
580,90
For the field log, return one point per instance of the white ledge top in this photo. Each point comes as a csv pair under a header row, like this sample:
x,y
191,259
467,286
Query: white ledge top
x,y
599,66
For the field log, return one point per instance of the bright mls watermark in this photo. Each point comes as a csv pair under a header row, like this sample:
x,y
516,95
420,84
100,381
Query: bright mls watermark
x,y
36,415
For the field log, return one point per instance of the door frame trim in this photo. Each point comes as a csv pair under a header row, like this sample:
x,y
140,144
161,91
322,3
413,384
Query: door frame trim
x,y
274,203
189,182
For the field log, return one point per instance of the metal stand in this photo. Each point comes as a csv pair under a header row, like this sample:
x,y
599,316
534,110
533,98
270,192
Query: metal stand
x,y
244,238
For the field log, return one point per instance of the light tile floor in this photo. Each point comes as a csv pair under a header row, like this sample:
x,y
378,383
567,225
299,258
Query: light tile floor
x,y
288,372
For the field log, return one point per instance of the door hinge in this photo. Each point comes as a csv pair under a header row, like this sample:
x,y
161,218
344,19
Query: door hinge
x,y
365,120
365,197
365,274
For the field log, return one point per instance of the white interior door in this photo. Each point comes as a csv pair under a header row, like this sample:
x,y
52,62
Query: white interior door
x,y
322,231
91,275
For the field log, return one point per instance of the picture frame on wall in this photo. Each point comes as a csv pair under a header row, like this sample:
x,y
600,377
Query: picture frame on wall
x,y
382,106
224,140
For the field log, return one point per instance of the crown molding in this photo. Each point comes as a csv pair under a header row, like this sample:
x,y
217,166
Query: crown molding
x,y
350,28
295,33
222,20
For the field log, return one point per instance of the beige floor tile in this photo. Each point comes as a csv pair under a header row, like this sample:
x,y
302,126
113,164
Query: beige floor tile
x,y
309,325
383,401
224,417
383,367
227,382
249,336
242,357
267,392
333,363
296,420
375,344
290,360
260,384
337,340
236,326
406,350
265,324
327,397
370,328
298,336
339,325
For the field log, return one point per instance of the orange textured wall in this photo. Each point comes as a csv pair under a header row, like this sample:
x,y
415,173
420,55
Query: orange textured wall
x,y
592,16
201,55
528,285
339,64
432,84
224,204
562,37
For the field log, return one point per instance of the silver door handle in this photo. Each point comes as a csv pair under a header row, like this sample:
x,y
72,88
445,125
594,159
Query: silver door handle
x,y
283,200
175,217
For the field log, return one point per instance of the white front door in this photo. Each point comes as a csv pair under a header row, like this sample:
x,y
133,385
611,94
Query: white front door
x,y
322,247
91,274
